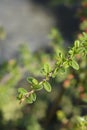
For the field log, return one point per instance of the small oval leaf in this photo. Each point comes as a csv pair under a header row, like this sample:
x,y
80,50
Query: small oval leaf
x,y
29,100
34,96
32,81
77,43
55,73
47,86
37,87
22,90
65,64
47,68
62,70
19,97
74,64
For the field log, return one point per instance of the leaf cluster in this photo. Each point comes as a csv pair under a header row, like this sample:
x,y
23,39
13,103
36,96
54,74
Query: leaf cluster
x,y
62,63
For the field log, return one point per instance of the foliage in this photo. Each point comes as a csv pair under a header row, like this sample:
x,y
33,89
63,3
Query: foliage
x,y
62,63
2,33
82,13
67,2
82,122
63,75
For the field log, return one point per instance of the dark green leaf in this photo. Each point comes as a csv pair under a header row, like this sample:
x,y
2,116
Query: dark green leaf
x,y
29,79
29,100
62,70
19,97
60,55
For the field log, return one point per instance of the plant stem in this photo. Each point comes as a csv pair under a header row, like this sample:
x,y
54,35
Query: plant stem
x,y
55,106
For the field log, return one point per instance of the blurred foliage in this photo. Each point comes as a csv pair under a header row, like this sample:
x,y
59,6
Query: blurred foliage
x,y
82,13
2,33
62,63
71,110
57,2
66,2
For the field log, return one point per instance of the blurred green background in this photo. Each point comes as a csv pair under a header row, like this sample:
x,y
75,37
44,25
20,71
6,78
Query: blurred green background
x,y
31,34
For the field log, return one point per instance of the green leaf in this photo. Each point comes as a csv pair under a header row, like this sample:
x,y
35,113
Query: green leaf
x,y
84,34
65,64
80,50
19,97
35,81
47,68
55,73
47,86
62,70
77,43
71,52
32,81
33,96
60,55
37,87
74,64
22,91
29,100
29,79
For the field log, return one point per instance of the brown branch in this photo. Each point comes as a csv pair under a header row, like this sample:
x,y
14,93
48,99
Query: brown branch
x,y
54,107
26,96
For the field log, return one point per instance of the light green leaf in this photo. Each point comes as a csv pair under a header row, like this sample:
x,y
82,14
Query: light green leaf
x,y
60,55
37,87
32,81
47,68
47,86
33,96
65,64
70,51
77,43
55,73
79,50
22,91
74,64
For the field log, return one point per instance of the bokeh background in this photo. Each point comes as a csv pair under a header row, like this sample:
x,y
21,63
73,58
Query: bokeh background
x,y
31,32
